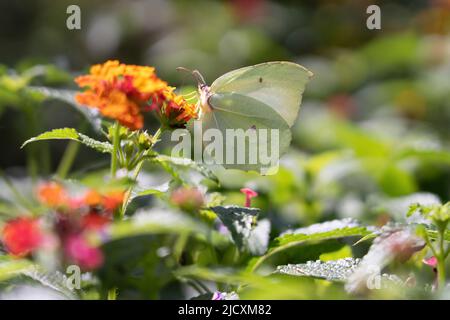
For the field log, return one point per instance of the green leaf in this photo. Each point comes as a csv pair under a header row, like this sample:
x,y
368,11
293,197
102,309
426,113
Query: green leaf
x,y
287,241
240,221
64,133
333,270
156,221
148,192
104,147
53,280
10,268
434,235
396,182
71,134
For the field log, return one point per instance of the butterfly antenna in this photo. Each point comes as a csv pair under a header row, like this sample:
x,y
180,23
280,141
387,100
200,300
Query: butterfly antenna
x,y
195,74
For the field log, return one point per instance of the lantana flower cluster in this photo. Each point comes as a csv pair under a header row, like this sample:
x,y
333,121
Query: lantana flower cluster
x,y
125,92
68,227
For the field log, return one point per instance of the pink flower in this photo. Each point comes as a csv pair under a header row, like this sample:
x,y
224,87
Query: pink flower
x,y
432,262
249,194
80,252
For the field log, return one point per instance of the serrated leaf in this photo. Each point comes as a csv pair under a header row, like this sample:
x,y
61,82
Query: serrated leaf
x,y
333,270
240,221
71,134
325,226
287,241
104,147
11,268
55,134
54,280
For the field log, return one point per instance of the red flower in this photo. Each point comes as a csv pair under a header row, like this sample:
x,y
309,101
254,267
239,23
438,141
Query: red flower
x,y
21,236
249,194
94,221
80,252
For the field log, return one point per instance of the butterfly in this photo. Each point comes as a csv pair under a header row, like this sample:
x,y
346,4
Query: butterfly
x,y
257,99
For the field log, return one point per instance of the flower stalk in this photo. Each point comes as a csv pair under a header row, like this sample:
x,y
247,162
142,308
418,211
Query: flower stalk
x,y
115,151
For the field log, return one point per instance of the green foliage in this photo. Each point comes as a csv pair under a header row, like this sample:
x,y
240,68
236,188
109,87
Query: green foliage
x,y
247,234
72,134
333,270
10,268
287,241
370,147
439,214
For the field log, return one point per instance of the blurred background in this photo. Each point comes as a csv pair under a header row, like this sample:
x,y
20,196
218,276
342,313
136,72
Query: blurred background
x,y
373,131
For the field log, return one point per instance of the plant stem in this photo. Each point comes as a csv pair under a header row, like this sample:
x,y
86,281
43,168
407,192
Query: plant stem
x,y
430,245
195,285
441,261
116,145
441,272
180,243
112,294
137,170
67,159
201,285
32,163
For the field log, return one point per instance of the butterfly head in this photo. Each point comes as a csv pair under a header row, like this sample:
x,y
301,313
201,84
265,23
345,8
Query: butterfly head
x,y
203,89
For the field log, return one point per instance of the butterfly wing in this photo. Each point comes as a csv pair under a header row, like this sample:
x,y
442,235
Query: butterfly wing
x,y
277,84
236,111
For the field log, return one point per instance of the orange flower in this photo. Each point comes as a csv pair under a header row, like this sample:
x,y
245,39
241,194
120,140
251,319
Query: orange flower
x,y
52,194
123,92
93,198
119,91
113,200
109,201
176,111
